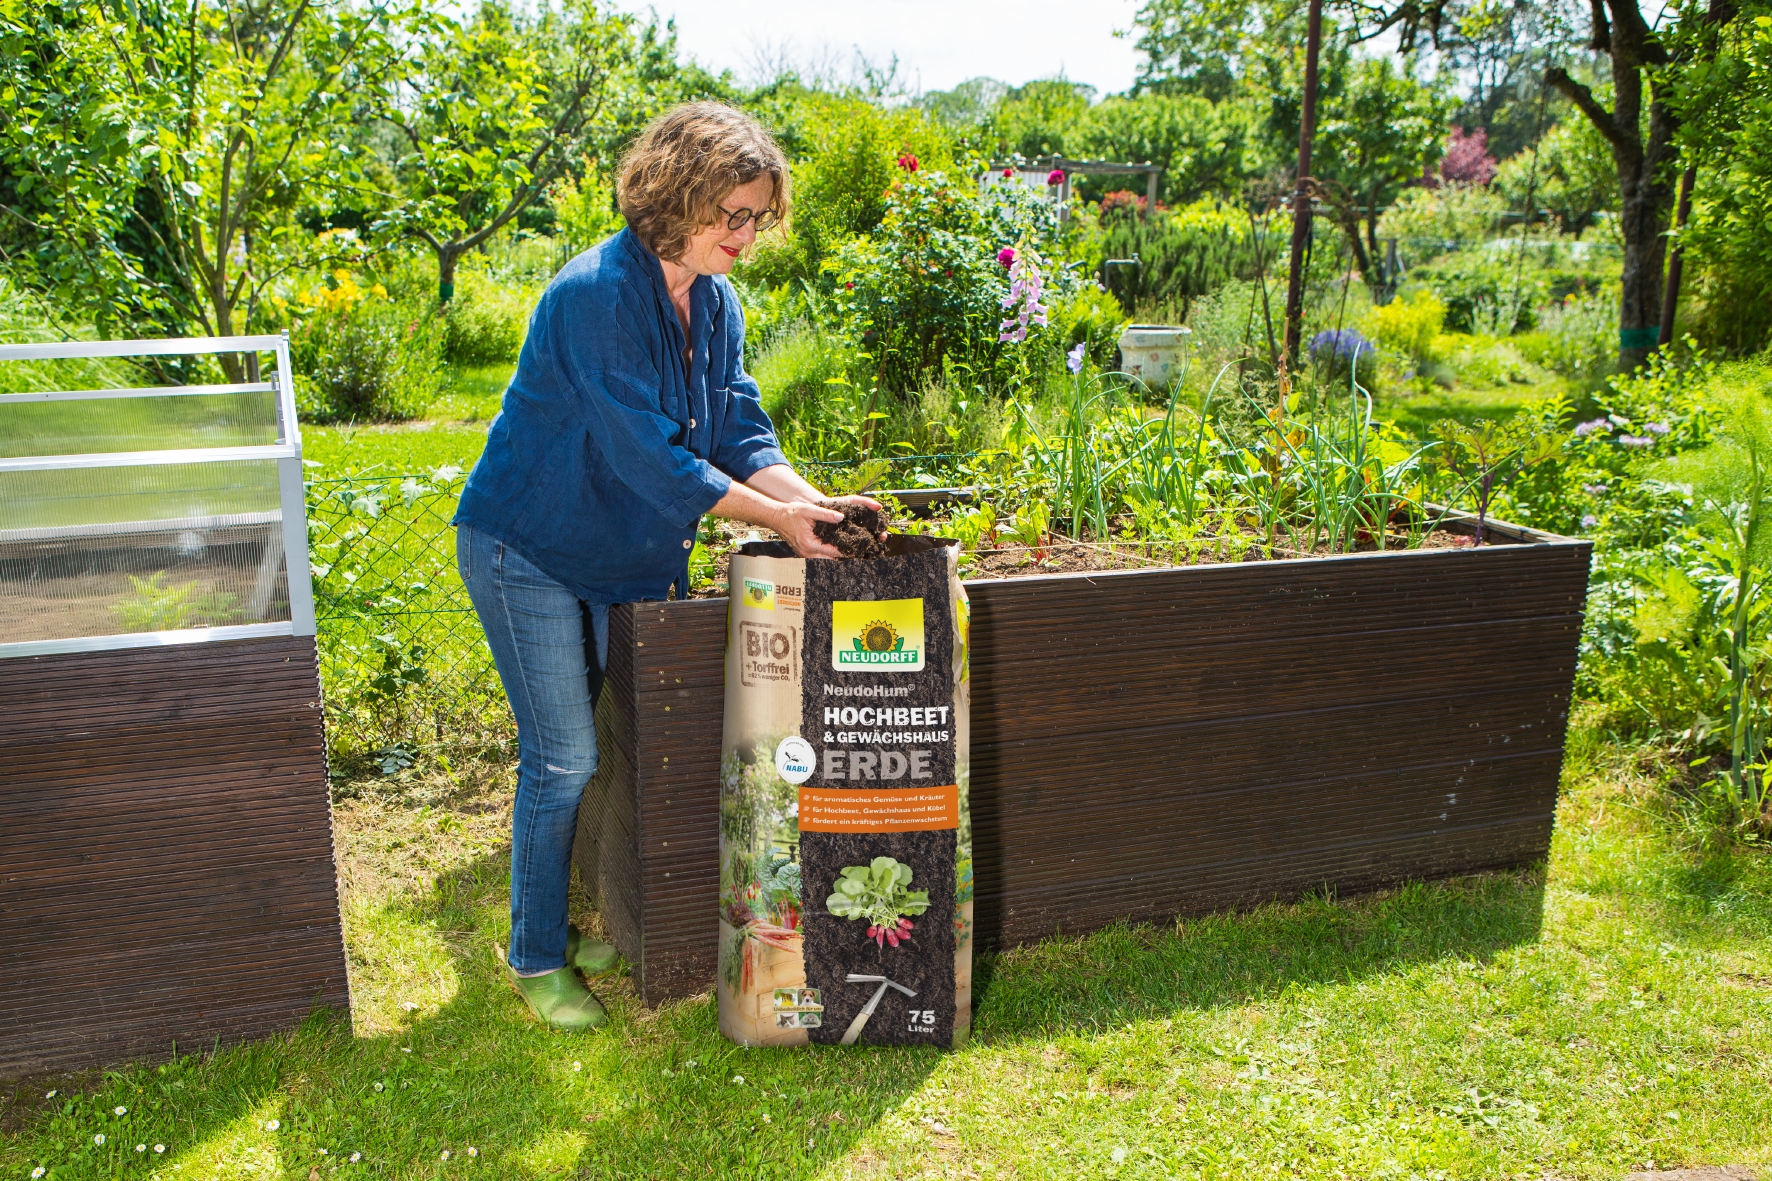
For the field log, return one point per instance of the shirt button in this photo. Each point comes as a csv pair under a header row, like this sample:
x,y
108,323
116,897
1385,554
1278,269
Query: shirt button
x,y
692,424
687,544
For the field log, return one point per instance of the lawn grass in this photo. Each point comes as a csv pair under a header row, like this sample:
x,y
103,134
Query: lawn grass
x,y
1611,1009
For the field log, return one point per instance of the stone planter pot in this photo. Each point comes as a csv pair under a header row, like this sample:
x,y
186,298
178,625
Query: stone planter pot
x,y
1153,743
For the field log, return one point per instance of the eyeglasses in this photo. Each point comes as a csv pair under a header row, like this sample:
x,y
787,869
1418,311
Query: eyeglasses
x,y
737,219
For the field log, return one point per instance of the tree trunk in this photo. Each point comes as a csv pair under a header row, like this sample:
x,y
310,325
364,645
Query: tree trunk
x,y
447,256
1648,197
1670,301
1301,196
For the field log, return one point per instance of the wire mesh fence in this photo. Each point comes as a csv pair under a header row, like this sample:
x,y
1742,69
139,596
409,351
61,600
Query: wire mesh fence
x,y
402,658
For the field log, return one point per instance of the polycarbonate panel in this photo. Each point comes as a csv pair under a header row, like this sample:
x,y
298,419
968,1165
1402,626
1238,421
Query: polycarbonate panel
x,y
176,423
109,551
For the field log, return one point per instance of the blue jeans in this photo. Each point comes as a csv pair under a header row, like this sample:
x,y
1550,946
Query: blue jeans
x,y
550,647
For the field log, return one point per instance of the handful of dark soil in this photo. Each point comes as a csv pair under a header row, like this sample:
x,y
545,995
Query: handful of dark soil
x,y
857,535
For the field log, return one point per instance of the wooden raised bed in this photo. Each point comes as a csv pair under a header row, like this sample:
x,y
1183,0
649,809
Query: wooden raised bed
x,y
166,839
1147,744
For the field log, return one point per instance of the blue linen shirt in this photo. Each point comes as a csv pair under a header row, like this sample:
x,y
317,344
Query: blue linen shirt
x,y
608,449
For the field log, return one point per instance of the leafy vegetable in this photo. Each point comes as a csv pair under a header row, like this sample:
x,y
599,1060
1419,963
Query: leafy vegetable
x,y
879,892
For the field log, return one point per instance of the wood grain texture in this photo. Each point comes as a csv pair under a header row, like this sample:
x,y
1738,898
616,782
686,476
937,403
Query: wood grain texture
x,y
1147,744
166,844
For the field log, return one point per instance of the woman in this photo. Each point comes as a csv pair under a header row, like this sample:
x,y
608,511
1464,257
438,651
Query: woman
x,y
629,417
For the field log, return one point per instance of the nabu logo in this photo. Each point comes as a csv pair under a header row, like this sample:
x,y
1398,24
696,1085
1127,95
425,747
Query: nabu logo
x,y
882,634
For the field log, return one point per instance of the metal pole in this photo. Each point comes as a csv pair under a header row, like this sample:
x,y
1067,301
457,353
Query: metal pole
x,y
1675,264
1301,196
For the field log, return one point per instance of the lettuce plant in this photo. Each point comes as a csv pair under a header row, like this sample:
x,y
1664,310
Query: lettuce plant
x,y
879,892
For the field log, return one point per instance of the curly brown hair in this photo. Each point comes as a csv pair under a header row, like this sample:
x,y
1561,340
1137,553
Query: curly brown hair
x,y
683,165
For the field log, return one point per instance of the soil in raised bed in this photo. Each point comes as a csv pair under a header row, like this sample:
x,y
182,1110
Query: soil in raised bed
x,y
1064,556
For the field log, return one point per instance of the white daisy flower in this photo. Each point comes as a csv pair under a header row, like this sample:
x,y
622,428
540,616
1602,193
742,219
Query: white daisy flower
x,y
322,1152
445,1155
355,1157
141,1147
272,1125
472,1151
378,1086
50,1095
99,1139
39,1170
159,1148
122,1110
766,1117
578,1066
738,1080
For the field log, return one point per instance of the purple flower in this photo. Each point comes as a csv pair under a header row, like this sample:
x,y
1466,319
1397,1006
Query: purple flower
x,y
1657,428
1025,286
1594,489
1055,177
1006,256
1583,430
1635,441
1074,358
1589,521
1343,344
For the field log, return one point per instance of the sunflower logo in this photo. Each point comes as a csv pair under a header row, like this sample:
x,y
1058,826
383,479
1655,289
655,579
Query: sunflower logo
x,y
757,593
879,636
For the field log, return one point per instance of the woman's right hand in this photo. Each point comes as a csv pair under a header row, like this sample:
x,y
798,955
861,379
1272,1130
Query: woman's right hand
x,y
794,523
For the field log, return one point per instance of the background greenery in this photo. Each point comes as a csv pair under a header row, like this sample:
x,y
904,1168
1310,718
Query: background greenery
x,y
395,184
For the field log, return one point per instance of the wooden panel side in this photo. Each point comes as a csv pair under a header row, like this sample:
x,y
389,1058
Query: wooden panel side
x,y
679,712
175,800
1159,745
603,848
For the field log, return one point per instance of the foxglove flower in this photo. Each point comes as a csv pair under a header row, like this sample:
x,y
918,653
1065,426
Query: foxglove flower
x,y
1025,286
1074,359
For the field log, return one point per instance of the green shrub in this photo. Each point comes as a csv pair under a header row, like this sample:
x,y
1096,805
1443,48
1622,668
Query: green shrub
x,y
1183,253
584,211
1577,338
1091,317
1407,327
1430,222
361,357
485,323
1487,290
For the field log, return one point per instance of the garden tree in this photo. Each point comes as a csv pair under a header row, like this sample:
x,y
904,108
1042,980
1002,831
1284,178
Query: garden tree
x,y
967,107
494,109
1569,173
1199,144
1726,97
1039,118
1210,48
1380,130
1640,126
200,128
68,163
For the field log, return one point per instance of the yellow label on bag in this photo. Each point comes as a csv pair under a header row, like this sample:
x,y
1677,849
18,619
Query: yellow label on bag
x,y
759,593
884,635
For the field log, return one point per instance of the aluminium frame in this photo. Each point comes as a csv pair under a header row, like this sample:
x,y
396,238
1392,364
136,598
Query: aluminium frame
x,y
286,451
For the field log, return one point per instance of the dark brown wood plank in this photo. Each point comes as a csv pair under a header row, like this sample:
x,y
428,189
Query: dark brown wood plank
x,y
175,800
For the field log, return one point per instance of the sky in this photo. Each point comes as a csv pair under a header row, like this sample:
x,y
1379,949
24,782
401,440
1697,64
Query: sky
x,y
938,42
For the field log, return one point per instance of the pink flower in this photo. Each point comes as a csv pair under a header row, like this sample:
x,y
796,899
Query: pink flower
x,y
1006,256
908,162
1009,172
1055,177
1025,286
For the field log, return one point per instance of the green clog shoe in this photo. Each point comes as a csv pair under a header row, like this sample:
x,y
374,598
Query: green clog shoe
x,y
558,999
587,955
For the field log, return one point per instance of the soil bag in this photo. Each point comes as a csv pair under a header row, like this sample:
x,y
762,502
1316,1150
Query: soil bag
x,y
845,844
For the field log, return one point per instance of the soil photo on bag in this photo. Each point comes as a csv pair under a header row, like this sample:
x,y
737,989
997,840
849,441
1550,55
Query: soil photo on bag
x,y
845,842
